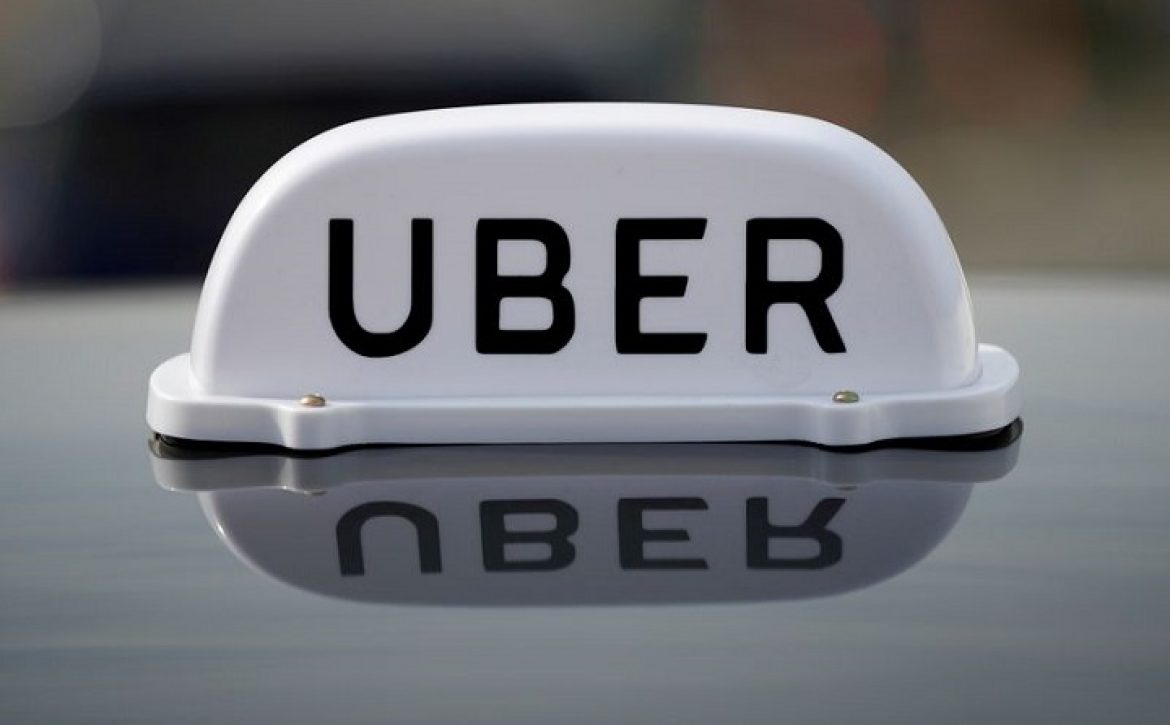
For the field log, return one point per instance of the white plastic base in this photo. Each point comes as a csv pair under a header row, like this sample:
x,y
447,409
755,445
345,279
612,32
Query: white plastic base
x,y
179,409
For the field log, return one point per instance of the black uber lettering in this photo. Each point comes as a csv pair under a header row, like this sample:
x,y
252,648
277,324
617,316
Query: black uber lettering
x,y
350,555
491,288
631,286
495,535
632,535
342,315
761,293
814,528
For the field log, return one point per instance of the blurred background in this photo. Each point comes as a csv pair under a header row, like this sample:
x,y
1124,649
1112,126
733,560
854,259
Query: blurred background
x,y
129,130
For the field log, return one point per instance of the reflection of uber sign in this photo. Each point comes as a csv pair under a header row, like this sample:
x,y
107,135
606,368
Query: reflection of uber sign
x,y
595,272
583,523
633,536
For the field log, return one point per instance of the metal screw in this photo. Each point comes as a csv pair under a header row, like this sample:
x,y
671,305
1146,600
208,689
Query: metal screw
x,y
312,400
846,396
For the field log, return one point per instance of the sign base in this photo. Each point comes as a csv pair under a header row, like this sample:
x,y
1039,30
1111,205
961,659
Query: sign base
x,y
178,409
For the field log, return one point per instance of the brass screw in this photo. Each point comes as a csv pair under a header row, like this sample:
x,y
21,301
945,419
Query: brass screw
x,y
313,400
846,396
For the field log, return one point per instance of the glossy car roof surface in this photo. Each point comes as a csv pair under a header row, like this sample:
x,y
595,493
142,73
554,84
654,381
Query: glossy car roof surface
x,y
1042,596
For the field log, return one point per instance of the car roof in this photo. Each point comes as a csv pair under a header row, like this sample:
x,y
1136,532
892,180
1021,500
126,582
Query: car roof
x,y
1027,584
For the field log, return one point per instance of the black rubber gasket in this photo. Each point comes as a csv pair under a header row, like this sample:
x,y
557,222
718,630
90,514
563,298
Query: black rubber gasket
x,y
172,448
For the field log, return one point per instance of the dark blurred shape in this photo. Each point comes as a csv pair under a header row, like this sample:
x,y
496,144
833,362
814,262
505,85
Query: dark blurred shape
x,y
825,59
48,52
164,177
129,130
191,102
1037,128
999,60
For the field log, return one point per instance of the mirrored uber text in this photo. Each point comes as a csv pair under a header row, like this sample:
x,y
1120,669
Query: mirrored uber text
x,y
584,524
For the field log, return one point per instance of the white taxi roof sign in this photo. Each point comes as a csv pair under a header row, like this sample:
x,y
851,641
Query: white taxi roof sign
x,y
584,272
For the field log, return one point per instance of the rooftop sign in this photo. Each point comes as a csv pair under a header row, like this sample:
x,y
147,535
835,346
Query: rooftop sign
x,y
584,272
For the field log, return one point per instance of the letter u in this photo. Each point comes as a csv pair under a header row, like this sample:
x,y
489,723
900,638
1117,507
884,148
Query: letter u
x,y
341,305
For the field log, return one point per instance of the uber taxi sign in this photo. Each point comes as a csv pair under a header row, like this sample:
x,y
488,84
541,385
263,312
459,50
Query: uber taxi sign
x,y
584,272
